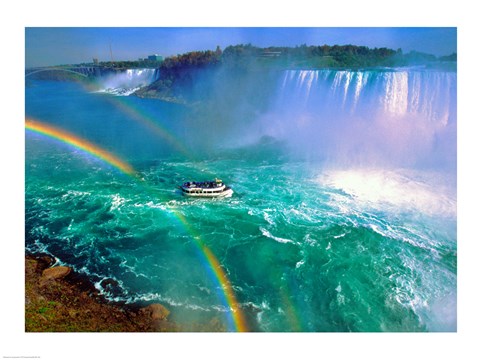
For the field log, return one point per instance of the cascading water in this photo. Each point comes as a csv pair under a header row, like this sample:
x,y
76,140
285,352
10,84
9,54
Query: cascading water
x,y
128,81
402,117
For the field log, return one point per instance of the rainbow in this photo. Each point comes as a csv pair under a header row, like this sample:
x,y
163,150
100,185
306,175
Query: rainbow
x,y
236,316
221,278
79,143
149,122
291,313
143,118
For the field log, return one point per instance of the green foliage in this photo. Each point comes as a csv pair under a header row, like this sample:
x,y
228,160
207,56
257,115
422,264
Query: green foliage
x,y
191,60
451,57
304,56
145,63
179,71
325,56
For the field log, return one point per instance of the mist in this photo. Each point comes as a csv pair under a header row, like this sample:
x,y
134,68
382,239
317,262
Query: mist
x,y
384,118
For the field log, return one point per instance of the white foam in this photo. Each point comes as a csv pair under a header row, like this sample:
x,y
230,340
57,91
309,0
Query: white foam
x,y
300,263
156,297
393,189
278,239
75,193
301,214
117,201
70,225
268,218
151,205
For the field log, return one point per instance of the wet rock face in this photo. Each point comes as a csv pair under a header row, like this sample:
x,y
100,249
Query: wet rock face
x,y
54,273
157,311
112,287
44,262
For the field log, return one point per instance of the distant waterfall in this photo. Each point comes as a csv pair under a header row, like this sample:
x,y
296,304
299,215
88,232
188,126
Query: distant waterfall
x,y
128,81
397,115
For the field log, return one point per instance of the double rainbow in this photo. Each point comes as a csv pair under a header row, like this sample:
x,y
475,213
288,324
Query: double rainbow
x,y
236,319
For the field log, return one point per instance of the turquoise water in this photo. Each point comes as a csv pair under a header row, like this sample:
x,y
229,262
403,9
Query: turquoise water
x,y
307,244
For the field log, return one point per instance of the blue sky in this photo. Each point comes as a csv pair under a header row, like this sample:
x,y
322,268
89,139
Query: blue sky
x,y
71,45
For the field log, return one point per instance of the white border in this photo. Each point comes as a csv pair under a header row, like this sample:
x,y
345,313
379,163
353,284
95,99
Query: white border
x,y
219,346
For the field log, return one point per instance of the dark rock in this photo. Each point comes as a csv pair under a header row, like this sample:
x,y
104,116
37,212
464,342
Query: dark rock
x,y
106,283
42,261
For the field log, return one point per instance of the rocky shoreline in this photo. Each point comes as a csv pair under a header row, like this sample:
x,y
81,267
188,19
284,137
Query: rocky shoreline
x,y
57,299
146,93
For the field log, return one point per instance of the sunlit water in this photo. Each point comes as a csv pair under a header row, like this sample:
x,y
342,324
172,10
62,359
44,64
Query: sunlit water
x,y
305,245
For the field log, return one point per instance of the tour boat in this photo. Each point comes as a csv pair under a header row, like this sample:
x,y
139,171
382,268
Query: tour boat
x,y
215,188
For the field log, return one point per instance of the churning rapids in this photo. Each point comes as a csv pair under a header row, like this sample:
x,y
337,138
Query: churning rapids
x,y
343,216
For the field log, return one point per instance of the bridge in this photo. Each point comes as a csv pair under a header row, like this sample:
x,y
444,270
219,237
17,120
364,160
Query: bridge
x,y
85,71
76,71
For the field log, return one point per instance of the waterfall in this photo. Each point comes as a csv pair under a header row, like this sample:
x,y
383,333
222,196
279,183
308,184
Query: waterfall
x,y
425,93
402,116
126,82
